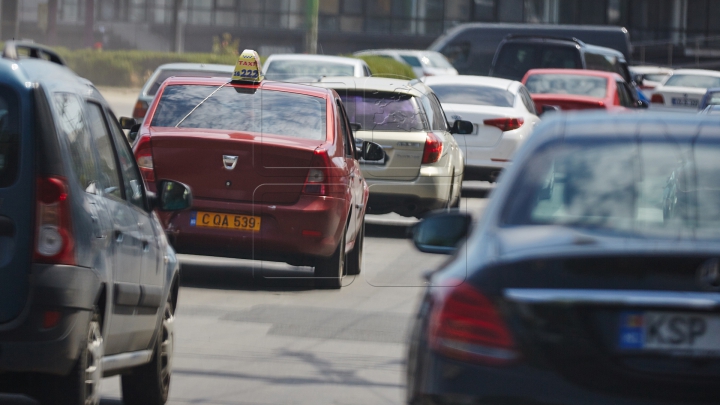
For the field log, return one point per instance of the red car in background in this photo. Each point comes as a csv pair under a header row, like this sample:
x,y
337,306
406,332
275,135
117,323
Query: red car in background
x,y
574,89
272,166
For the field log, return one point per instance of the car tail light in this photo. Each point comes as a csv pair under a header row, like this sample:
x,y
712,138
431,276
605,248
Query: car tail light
x,y
505,124
143,155
433,149
141,108
465,325
657,99
317,179
54,242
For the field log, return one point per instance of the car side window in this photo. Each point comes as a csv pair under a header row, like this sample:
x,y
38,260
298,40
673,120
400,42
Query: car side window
x,y
71,122
132,182
110,177
527,100
343,129
439,120
625,98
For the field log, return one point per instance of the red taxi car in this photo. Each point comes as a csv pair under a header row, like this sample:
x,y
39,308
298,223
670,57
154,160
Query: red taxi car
x,y
273,169
575,89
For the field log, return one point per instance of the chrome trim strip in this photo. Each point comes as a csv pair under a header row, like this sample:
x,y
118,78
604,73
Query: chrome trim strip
x,y
126,360
669,299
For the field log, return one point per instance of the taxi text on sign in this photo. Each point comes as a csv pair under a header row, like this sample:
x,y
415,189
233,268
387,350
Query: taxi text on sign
x,y
247,68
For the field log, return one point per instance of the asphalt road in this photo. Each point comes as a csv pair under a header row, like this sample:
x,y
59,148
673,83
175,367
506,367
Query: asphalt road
x,y
260,333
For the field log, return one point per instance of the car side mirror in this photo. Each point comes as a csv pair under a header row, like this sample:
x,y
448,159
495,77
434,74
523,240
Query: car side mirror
x,y
642,104
132,135
638,79
549,108
127,123
355,127
372,152
442,232
172,196
461,127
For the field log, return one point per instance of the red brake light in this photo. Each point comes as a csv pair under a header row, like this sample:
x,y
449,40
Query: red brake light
x,y
464,324
143,155
316,182
433,149
505,124
54,242
657,98
141,108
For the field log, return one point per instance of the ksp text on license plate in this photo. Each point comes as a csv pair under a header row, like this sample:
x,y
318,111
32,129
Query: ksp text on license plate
x,y
691,333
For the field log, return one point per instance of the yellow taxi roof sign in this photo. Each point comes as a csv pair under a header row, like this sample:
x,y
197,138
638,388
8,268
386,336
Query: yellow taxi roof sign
x,y
248,67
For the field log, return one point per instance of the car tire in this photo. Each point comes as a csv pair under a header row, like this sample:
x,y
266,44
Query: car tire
x,y
329,271
82,385
149,384
354,258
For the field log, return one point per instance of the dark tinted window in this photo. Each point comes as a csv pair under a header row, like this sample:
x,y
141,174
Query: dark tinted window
x,y
383,111
241,109
411,60
187,73
626,98
527,100
579,85
9,137
473,95
515,59
662,188
73,126
110,177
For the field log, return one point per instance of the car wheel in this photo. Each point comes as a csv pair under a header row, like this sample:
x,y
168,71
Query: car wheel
x,y
354,258
329,270
82,385
149,384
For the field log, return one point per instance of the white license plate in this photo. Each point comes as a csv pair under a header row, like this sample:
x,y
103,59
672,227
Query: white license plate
x,y
690,333
687,102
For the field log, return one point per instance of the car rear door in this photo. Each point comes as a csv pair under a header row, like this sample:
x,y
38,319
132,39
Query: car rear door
x,y
17,208
353,169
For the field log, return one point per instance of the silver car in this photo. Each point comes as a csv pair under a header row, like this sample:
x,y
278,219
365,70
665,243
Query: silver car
x,y
300,67
423,63
423,165
175,69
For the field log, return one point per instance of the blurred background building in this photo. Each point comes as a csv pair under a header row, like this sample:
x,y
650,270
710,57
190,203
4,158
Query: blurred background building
x,y
344,25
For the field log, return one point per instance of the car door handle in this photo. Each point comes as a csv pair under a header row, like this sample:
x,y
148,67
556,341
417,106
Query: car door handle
x,y
145,246
359,206
119,236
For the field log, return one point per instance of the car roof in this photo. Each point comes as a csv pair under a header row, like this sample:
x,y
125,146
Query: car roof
x,y
650,69
699,72
472,80
319,58
575,72
265,85
197,66
559,40
411,87
398,51
51,76
624,125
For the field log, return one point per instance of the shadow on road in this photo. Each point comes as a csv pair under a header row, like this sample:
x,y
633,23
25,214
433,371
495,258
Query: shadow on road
x,y
386,231
475,192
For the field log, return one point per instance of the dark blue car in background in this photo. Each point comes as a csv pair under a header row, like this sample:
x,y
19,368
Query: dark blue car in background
x,y
88,282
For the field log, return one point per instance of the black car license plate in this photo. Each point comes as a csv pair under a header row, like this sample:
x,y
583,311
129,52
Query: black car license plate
x,y
691,333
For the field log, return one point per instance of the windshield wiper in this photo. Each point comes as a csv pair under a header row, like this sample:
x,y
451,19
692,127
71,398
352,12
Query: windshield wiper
x,y
199,104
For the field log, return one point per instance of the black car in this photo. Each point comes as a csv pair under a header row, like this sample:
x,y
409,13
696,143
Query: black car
x,y
593,276
88,282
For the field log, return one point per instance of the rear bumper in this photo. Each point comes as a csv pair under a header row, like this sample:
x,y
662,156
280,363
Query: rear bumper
x,y
427,192
444,381
281,230
25,346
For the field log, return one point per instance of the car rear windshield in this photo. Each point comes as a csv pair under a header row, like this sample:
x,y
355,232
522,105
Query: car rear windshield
x,y
515,59
306,70
697,81
662,187
9,137
473,95
163,75
578,85
383,111
243,110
